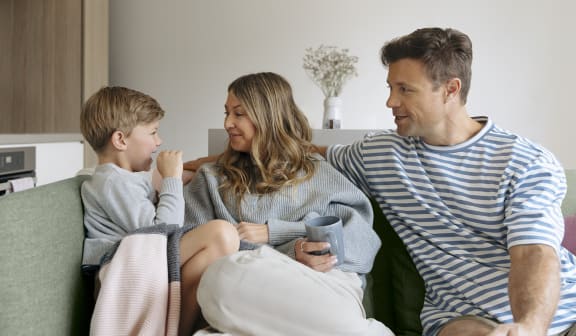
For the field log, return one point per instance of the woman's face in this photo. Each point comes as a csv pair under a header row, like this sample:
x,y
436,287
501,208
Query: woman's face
x,y
240,128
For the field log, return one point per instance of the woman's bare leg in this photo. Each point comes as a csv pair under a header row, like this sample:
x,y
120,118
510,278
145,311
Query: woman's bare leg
x,y
198,249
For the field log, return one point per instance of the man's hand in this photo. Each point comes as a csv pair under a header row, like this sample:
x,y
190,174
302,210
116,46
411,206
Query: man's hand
x,y
194,165
169,163
320,263
254,233
513,329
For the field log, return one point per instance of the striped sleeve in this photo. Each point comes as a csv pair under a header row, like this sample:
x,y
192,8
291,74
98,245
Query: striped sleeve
x,y
534,215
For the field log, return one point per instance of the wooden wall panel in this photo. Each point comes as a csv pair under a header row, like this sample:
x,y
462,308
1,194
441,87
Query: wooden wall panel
x,y
41,66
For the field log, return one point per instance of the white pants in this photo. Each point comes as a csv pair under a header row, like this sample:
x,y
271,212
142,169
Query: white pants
x,y
264,292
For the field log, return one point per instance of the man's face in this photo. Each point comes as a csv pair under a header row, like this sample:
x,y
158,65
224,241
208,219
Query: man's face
x,y
418,109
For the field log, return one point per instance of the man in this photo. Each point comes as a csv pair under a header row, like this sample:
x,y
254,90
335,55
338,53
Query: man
x,y
477,207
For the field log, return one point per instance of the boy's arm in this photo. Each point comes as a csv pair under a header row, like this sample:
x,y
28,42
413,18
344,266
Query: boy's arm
x,y
170,208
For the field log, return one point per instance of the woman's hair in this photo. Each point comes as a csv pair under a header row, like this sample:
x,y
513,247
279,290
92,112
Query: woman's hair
x,y
445,53
281,151
116,109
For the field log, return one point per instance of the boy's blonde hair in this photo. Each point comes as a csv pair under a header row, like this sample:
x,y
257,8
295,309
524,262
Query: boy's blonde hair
x,y
116,109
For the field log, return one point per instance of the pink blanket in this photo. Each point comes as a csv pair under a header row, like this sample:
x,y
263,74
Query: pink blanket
x,y
140,285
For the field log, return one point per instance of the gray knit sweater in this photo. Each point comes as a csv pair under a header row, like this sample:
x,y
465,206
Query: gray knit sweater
x,y
326,193
117,202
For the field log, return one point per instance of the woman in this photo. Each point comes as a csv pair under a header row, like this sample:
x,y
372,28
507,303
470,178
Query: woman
x,y
268,182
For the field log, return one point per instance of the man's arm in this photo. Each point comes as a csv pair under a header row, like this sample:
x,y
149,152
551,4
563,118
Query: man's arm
x,y
191,167
320,150
194,165
534,289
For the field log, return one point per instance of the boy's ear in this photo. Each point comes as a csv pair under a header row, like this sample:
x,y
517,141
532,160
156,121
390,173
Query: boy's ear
x,y
118,140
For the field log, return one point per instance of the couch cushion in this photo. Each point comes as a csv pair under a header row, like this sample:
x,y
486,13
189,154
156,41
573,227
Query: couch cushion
x,y
397,288
40,253
569,211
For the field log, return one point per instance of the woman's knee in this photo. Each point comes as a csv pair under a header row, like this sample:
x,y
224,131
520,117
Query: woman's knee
x,y
223,235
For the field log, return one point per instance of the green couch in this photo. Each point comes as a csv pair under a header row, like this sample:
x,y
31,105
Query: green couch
x,y
42,291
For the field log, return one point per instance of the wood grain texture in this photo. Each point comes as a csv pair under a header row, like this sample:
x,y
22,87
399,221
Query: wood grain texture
x,y
41,66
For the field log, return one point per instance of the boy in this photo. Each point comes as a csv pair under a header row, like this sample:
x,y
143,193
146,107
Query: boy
x,y
121,125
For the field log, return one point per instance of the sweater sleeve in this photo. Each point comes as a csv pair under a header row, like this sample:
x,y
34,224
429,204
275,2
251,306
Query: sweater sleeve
x,y
329,193
361,243
199,207
129,206
282,231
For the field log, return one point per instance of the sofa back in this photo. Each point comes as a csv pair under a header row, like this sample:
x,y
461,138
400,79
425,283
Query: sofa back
x,y
41,236
569,211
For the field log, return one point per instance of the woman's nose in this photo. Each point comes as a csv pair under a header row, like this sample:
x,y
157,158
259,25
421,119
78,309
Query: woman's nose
x,y
228,123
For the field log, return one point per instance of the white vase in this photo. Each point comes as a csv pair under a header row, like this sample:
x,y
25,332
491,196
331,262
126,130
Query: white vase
x,y
332,113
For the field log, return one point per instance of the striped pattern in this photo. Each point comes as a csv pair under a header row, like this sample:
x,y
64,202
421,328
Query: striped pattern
x,y
458,209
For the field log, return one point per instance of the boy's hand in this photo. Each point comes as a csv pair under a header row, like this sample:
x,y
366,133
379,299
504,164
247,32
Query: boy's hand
x,y
169,163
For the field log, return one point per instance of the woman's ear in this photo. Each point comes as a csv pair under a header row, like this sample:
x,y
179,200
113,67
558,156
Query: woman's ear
x,y
118,141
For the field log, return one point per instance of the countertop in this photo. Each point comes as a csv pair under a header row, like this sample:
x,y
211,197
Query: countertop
x,y
33,138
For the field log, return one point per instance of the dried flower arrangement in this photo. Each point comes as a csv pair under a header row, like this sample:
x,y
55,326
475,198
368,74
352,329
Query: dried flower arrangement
x,y
330,67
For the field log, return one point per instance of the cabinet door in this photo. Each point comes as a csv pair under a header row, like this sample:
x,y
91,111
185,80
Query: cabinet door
x,y
41,81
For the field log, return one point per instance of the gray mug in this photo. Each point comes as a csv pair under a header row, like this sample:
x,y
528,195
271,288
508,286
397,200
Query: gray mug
x,y
327,229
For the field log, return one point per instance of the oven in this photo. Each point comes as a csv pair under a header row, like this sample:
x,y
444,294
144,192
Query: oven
x,y
17,169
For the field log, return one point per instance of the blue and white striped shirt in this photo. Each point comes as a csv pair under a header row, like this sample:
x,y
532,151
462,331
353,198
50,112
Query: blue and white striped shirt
x,y
459,209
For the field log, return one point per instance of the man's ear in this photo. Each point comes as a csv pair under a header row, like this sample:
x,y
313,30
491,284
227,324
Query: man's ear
x,y
118,141
453,86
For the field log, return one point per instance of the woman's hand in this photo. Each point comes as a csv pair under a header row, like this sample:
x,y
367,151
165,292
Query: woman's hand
x,y
254,233
320,263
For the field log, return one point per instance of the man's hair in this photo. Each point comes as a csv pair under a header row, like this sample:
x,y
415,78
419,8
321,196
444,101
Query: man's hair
x,y
281,149
116,109
445,53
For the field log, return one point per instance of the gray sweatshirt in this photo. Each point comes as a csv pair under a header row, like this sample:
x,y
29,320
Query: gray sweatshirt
x,y
117,202
326,193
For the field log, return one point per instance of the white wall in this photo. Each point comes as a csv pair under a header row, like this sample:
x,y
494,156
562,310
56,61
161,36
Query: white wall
x,y
186,52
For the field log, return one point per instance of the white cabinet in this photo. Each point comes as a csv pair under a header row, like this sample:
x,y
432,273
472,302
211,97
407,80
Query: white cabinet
x,y
56,160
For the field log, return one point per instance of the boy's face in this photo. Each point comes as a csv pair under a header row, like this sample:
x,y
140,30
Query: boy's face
x,y
141,143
